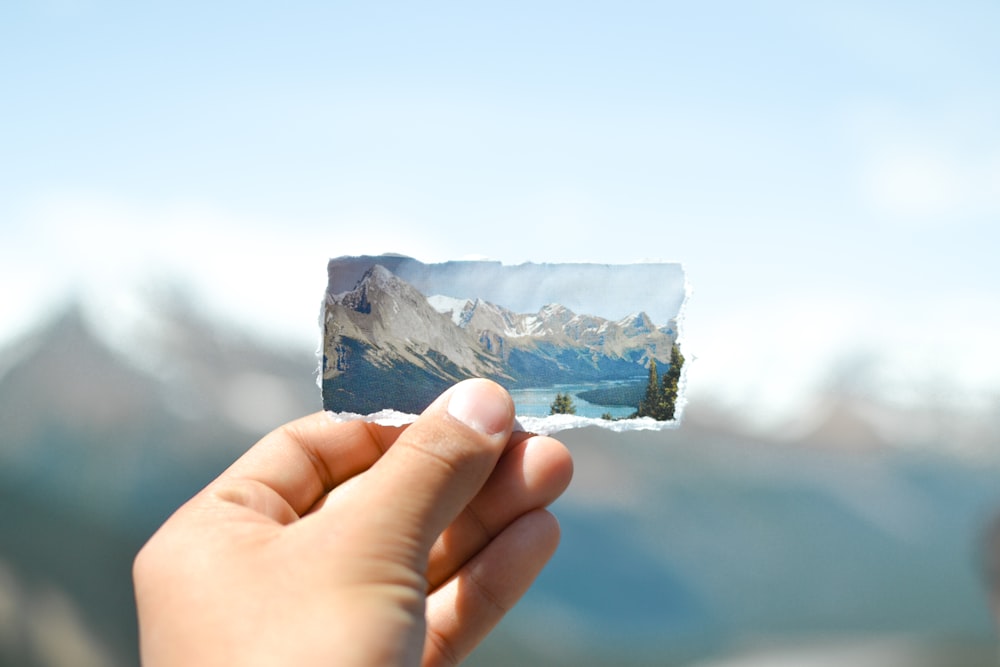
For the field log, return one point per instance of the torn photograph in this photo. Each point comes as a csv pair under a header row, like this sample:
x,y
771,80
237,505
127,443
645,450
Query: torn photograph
x,y
575,344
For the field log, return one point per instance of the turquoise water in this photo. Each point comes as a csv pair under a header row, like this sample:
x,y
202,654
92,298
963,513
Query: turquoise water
x,y
537,401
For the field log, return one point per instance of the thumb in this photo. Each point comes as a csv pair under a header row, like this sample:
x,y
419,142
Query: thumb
x,y
435,467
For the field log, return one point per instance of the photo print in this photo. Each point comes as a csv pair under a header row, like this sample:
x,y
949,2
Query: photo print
x,y
575,344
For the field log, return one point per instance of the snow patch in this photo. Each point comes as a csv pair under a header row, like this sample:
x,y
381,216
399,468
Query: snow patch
x,y
449,305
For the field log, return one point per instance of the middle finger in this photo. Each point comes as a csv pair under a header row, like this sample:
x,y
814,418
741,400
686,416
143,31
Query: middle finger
x,y
532,473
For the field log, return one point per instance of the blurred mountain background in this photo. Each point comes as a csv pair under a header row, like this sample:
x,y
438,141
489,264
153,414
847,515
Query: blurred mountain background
x,y
866,526
174,177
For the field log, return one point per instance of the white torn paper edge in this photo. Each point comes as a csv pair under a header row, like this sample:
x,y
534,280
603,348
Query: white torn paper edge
x,y
539,425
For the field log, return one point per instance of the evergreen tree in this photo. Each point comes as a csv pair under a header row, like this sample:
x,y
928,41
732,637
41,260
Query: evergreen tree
x,y
647,405
671,381
660,398
563,405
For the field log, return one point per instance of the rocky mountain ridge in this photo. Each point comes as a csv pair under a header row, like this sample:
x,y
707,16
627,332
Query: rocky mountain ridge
x,y
385,324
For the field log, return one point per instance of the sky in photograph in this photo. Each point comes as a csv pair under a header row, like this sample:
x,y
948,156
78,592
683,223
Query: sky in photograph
x,y
827,172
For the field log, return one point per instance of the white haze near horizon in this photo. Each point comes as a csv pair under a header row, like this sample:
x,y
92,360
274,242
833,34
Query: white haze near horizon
x,y
828,175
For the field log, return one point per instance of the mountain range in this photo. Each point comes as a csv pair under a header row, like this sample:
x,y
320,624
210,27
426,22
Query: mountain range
x,y
387,345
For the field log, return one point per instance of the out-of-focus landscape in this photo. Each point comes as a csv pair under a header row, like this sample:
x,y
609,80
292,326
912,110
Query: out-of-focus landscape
x,y
174,177
856,536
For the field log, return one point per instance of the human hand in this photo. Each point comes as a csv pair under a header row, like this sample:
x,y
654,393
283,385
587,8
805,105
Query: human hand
x,y
355,544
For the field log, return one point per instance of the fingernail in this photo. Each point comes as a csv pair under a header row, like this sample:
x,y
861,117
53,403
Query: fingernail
x,y
482,406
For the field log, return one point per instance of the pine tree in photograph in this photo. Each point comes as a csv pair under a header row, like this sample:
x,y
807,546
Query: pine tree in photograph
x,y
647,405
563,405
660,399
671,381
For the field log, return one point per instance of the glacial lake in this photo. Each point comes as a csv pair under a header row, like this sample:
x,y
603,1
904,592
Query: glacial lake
x,y
537,401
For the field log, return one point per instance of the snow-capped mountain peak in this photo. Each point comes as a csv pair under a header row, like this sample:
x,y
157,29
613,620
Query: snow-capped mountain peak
x,y
377,279
449,305
636,324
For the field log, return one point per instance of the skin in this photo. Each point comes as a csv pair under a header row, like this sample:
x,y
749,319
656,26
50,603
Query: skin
x,y
356,544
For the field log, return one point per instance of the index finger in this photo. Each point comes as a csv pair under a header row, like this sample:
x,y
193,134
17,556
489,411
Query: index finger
x,y
304,459
437,465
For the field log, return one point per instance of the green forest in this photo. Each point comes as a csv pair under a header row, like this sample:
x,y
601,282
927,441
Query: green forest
x,y
660,398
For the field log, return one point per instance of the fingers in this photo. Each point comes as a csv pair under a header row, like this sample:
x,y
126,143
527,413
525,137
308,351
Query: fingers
x,y
432,471
293,467
468,606
285,473
531,474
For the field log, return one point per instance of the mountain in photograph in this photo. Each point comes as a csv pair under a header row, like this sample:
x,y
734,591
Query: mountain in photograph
x,y
387,345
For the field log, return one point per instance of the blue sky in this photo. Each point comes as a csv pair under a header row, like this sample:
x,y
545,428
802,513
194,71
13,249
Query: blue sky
x,y
828,172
